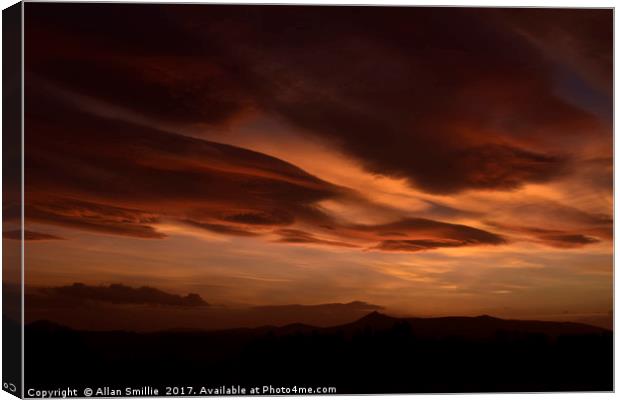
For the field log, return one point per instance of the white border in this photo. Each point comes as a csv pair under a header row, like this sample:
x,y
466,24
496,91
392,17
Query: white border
x,y
458,3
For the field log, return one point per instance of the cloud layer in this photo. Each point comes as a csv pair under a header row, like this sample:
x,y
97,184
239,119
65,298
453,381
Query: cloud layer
x,y
99,174
121,294
29,235
454,100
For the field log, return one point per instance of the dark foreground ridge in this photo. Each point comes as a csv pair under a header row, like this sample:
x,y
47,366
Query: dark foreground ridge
x,y
376,354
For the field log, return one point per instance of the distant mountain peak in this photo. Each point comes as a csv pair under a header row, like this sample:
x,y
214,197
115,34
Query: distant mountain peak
x,y
374,314
375,317
487,317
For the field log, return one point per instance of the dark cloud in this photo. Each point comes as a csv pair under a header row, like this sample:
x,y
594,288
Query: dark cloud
x,y
105,175
299,236
221,228
122,294
418,245
420,230
29,235
581,40
568,240
555,237
441,210
261,218
94,217
379,84
160,70
386,91
413,235
450,99
112,159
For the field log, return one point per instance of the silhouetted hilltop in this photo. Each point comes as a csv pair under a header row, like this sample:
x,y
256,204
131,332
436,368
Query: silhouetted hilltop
x,y
375,354
47,326
480,327
376,319
483,326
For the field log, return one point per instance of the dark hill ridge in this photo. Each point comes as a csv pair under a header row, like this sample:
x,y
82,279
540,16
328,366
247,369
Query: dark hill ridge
x,y
375,354
483,326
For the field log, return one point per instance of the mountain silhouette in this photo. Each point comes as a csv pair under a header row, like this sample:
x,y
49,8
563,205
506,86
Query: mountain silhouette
x,y
483,326
374,354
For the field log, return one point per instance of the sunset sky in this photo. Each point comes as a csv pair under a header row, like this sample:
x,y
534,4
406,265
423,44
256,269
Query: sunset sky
x,y
433,161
